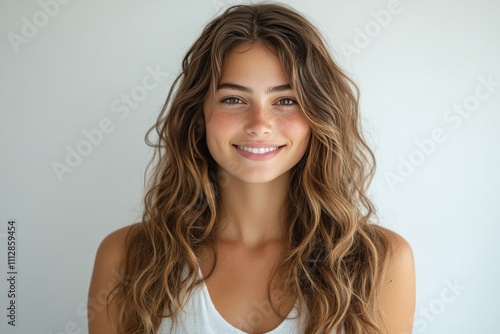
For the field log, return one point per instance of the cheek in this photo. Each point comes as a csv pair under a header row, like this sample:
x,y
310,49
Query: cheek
x,y
298,129
221,128
218,125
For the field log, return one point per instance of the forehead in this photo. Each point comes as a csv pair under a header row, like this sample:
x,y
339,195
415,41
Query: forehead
x,y
253,61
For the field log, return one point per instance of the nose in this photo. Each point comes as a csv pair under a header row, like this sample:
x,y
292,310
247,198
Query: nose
x,y
259,121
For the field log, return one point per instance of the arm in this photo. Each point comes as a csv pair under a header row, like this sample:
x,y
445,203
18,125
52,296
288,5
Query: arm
x,y
104,277
398,288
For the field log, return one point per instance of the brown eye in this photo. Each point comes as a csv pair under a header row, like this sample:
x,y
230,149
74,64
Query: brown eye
x,y
231,100
287,102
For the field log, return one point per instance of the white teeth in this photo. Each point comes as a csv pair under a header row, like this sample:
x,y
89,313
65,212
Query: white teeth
x,y
260,150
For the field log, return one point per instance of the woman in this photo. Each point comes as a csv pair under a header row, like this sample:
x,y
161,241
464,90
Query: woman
x,y
256,219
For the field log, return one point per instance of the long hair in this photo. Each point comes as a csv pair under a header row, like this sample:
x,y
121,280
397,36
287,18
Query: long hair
x,y
335,255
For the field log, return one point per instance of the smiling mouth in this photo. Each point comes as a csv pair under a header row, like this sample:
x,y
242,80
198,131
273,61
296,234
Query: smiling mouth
x,y
258,150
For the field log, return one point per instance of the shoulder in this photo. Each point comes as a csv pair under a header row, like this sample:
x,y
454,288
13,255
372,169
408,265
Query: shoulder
x,y
105,275
397,289
112,247
400,249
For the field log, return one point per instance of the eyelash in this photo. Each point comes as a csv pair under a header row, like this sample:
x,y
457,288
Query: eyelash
x,y
226,99
288,99
294,102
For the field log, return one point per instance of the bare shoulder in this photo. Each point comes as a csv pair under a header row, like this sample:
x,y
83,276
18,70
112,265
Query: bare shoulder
x,y
111,251
397,290
105,276
112,247
401,251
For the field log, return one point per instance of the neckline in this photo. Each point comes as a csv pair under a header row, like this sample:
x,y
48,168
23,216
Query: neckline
x,y
293,312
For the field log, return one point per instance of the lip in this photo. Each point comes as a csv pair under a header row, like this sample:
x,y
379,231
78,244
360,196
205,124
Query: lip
x,y
255,144
255,156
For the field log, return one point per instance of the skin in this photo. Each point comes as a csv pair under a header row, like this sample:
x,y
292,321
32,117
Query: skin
x,y
250,233
249,110
254,118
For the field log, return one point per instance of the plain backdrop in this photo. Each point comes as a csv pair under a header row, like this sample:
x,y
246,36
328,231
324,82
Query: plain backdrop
x,y
429,74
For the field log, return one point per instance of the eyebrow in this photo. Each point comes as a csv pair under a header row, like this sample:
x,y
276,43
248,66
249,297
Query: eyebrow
x,y
233,86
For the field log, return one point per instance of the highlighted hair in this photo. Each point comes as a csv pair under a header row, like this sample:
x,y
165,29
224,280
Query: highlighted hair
x,y
335,255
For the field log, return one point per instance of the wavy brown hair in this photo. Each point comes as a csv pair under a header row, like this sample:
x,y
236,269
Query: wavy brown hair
x,y
335,255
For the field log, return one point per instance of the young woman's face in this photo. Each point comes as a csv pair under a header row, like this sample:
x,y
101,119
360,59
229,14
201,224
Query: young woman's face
x,y
255,129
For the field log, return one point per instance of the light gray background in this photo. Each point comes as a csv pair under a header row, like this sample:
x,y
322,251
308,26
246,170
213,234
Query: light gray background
x,y
70,75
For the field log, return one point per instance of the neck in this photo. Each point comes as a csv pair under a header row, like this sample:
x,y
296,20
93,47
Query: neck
x,y
252,214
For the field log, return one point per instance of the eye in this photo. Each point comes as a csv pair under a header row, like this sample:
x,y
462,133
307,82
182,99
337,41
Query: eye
x,y
231,100
287,102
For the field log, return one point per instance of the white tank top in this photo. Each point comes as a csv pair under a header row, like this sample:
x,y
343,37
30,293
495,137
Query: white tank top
x,y
200,316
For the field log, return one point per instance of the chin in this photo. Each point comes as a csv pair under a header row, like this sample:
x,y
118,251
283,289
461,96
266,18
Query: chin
x,y
259,177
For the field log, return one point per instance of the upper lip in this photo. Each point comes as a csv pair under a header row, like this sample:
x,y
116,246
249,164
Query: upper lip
x,y
258,144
